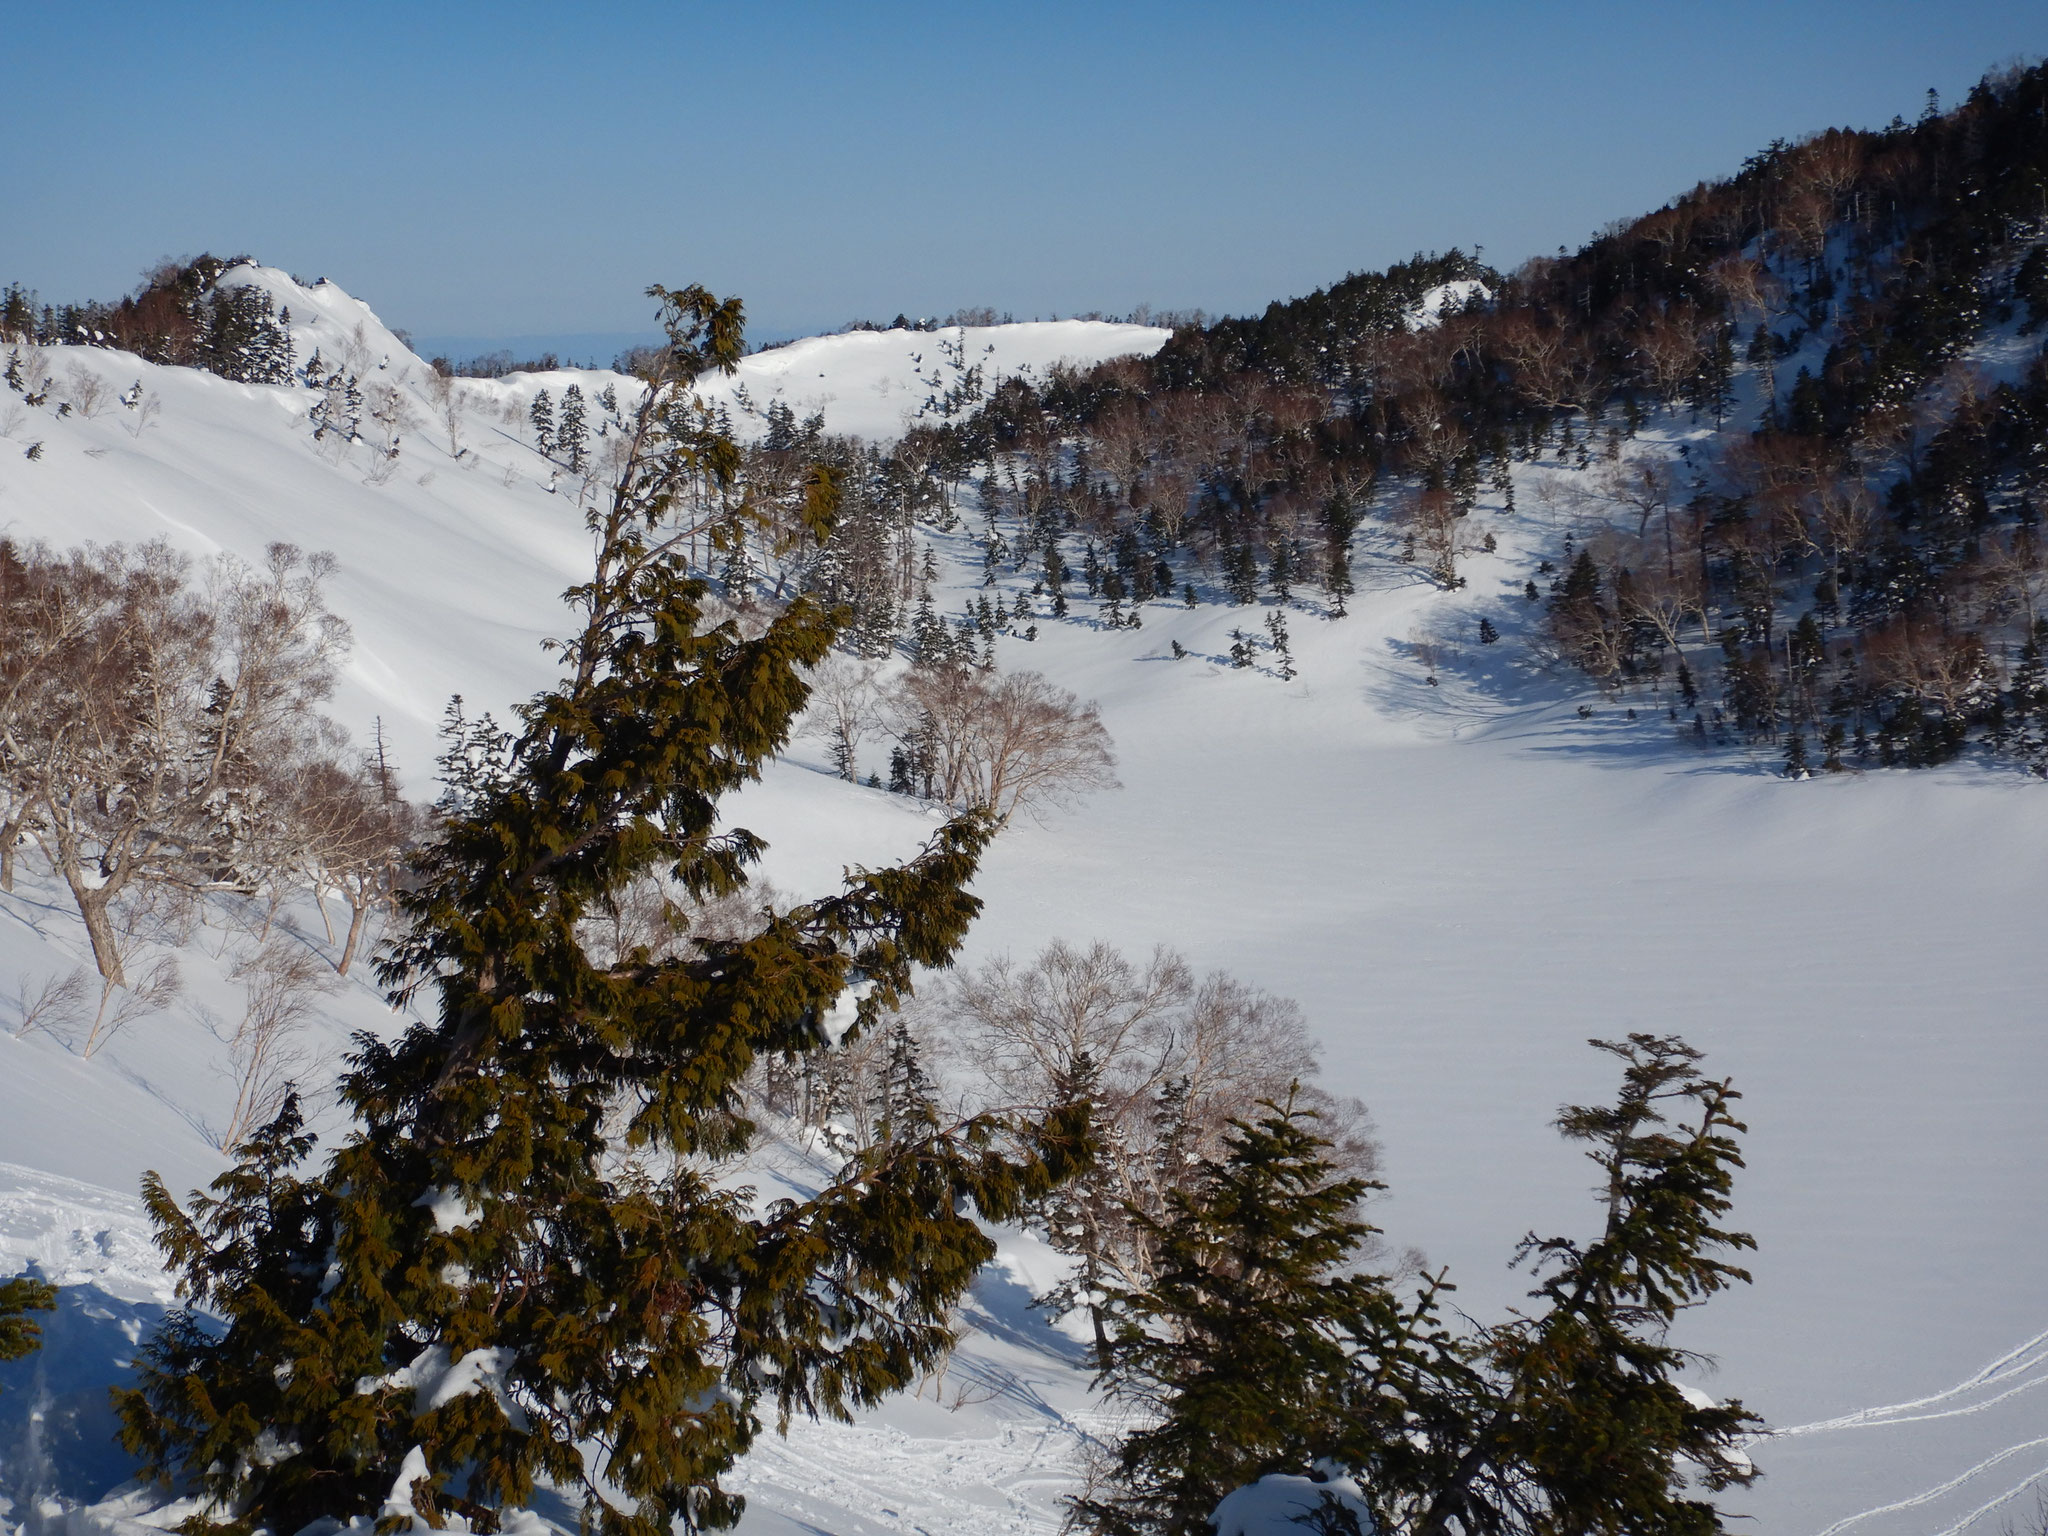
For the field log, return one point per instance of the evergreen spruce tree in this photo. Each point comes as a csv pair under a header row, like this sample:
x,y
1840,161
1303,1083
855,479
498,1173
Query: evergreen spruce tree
x,y
1245,1344
930,644
1340,519
1090,1215
903,1101
1796,765
19,1334
244,339
17,313
572,438
1578,1425
520,1263
2029,700
542,417
1262,1346
1056,573
1280,574
1113,591
1283,656
1241,573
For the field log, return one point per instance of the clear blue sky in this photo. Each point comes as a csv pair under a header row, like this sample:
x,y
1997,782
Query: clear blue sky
x,y
506,169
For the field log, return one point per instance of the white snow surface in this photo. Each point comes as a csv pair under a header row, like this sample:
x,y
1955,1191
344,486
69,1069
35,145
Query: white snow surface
x,y
1430,311
874,384
1460,883
1277,1504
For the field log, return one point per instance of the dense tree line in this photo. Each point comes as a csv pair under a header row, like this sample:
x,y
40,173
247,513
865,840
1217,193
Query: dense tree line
x,y
1850,570
182,314
1860,550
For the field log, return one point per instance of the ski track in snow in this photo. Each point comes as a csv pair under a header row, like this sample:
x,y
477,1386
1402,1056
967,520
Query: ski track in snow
x,y
1920,1500
2013,1362
2028,1360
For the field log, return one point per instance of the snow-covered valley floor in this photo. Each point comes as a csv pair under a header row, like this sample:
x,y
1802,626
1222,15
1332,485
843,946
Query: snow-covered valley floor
x,y
1460,883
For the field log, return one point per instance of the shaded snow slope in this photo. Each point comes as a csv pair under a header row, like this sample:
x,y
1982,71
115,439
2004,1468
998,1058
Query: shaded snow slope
x,y
1459,882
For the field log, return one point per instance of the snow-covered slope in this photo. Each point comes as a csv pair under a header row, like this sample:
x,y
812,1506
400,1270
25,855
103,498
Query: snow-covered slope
x,y
452,556
1460,883
873,384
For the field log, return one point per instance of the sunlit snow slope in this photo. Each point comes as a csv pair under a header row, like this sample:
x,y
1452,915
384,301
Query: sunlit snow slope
x,y
1460,882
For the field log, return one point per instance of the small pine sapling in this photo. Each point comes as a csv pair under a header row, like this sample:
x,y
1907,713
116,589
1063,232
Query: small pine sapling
x,y
1276,629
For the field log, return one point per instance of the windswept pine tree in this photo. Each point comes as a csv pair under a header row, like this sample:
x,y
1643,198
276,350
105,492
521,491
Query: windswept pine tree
x,y
520,1264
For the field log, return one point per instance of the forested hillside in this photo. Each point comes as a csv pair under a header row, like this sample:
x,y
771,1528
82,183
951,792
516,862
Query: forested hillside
x,y
1831,540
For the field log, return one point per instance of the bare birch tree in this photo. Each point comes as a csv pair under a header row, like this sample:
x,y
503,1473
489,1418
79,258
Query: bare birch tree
x,y
146,711
1010,742
1166,1060
845,709
281,983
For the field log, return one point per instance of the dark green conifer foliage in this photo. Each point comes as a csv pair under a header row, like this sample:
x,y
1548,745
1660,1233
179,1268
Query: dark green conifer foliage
x,y
244,337
571,437
1056,573
542,416
1262,1346
19,1334
1580,1427
1247,1343
1340,521
1281,572
529,1191
1241,573
903,1094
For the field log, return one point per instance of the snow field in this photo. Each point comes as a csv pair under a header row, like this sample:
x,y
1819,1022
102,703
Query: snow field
x,y
1460,883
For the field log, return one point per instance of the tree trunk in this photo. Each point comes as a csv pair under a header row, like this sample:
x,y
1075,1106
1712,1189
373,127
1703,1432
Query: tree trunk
x,y
92,901
358,919
99,929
